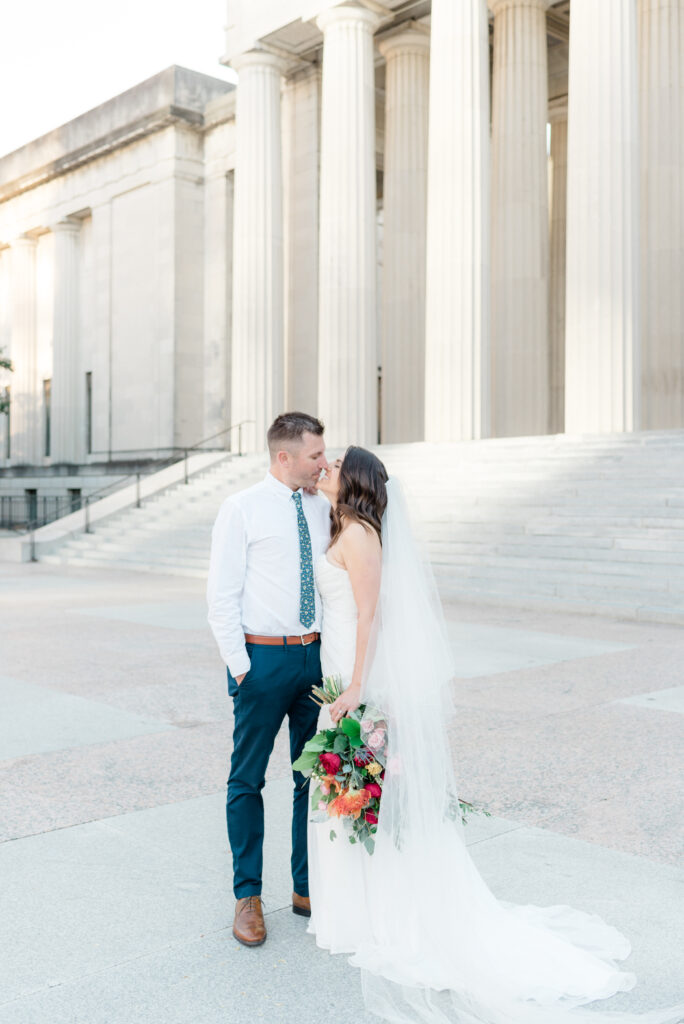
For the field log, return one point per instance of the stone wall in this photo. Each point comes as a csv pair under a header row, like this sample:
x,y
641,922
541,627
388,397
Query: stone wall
x,y
123,298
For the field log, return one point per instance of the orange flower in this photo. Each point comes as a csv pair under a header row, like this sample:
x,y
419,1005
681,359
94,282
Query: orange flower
x,y
349,803
332,782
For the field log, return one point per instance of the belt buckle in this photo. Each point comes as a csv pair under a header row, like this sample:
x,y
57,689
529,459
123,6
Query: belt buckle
x,y
305,643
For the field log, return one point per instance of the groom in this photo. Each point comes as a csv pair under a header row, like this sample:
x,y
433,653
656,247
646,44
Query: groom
x,y
266,617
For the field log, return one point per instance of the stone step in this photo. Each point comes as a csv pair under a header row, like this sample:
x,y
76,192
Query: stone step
x,y
93,562
154,561
515,598
553,581
591,551
160,551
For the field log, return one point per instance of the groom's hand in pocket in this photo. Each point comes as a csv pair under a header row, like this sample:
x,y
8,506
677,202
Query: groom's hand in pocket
x,y
238,679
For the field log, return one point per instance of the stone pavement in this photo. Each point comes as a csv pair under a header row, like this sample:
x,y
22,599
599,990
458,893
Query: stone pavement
x,y
115,734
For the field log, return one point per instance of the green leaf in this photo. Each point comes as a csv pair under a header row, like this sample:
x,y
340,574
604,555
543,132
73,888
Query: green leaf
x,y
356,742
305,762
341,743
351,728
333,834
316,796
319,742
369,844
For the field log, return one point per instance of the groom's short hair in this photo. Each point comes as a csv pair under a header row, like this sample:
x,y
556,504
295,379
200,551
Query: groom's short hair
x,y
289,427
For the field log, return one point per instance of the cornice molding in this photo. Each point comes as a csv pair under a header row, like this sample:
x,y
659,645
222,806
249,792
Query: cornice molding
x,y
99,147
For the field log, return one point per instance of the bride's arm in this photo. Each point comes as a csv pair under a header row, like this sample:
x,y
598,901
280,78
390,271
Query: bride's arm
x,y
360,549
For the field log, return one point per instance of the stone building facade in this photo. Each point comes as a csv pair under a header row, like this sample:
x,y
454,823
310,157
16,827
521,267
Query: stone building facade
x,y
104,232
437,220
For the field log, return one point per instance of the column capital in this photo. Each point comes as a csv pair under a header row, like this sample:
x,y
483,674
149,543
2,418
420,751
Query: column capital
x,y
66,226
353,12
410,38
258,58
496,6
24,242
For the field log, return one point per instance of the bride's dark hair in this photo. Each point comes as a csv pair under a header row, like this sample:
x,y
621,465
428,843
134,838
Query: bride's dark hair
x,y
362,495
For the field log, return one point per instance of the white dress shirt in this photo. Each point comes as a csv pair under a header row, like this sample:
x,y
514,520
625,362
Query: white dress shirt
x,y
254,584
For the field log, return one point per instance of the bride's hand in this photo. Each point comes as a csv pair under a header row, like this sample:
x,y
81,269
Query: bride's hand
x,y
346,702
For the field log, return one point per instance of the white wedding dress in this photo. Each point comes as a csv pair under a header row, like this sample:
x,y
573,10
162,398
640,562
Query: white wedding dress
x,y
433,942
337,870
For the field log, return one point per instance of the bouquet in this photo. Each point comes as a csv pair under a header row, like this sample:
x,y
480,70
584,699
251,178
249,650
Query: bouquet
x,y
346,764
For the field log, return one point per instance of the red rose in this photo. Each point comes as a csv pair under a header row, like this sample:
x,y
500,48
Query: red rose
x,y
363,757
373,789
371,818
331,763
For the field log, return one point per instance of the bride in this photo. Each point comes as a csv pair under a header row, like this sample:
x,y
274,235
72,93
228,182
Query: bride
x,y
433,942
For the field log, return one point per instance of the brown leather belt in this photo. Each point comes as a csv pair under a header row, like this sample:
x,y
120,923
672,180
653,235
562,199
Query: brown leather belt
x,y
281,641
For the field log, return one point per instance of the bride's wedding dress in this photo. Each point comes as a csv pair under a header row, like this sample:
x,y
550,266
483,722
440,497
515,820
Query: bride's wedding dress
x,y
433,942
337,870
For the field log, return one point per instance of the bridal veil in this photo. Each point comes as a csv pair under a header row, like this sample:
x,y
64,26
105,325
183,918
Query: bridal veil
x,y
442,949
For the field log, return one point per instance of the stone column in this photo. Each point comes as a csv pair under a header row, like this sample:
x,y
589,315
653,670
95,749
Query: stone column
x,y
347,359
559,170
218,292
602,281
407,54
661,67
520,224
257,336
26,447
67,428
301,163
457,354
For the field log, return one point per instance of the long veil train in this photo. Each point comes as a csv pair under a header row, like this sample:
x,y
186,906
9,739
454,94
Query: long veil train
x,y
443,949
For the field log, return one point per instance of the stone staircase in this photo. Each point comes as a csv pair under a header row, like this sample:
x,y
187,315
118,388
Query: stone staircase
x,y
591,524
586,524
170,533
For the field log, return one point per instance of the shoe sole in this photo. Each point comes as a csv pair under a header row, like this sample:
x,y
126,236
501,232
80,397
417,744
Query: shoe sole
x,y
300,911
245,942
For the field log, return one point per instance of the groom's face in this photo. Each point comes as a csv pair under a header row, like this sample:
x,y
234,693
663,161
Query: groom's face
x,y
306,461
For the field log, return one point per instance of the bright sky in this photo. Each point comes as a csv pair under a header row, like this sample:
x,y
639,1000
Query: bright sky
x,y
59,58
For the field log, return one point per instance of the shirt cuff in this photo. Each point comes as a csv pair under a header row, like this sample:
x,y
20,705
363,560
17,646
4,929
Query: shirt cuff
x,y
238,663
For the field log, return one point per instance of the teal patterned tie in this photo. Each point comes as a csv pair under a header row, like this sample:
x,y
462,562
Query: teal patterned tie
x,y
307,596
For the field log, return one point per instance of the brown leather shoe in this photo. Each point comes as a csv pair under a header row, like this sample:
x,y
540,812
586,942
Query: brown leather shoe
x,y
248,926
301,905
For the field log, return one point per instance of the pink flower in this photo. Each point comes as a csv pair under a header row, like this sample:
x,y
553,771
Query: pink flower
x,y
374,789
376,739
325,788
367,725
322,805
331,763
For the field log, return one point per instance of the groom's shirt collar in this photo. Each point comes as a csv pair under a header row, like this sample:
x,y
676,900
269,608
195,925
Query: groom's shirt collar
x,y
278,487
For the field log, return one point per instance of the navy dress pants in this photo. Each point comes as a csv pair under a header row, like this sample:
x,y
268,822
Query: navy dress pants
x,y
278,684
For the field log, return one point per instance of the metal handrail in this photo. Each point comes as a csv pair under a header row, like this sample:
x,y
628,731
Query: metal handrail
x,y
178,454
181,448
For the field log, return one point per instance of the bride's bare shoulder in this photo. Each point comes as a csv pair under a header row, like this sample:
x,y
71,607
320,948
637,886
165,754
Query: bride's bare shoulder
x,y
358,538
